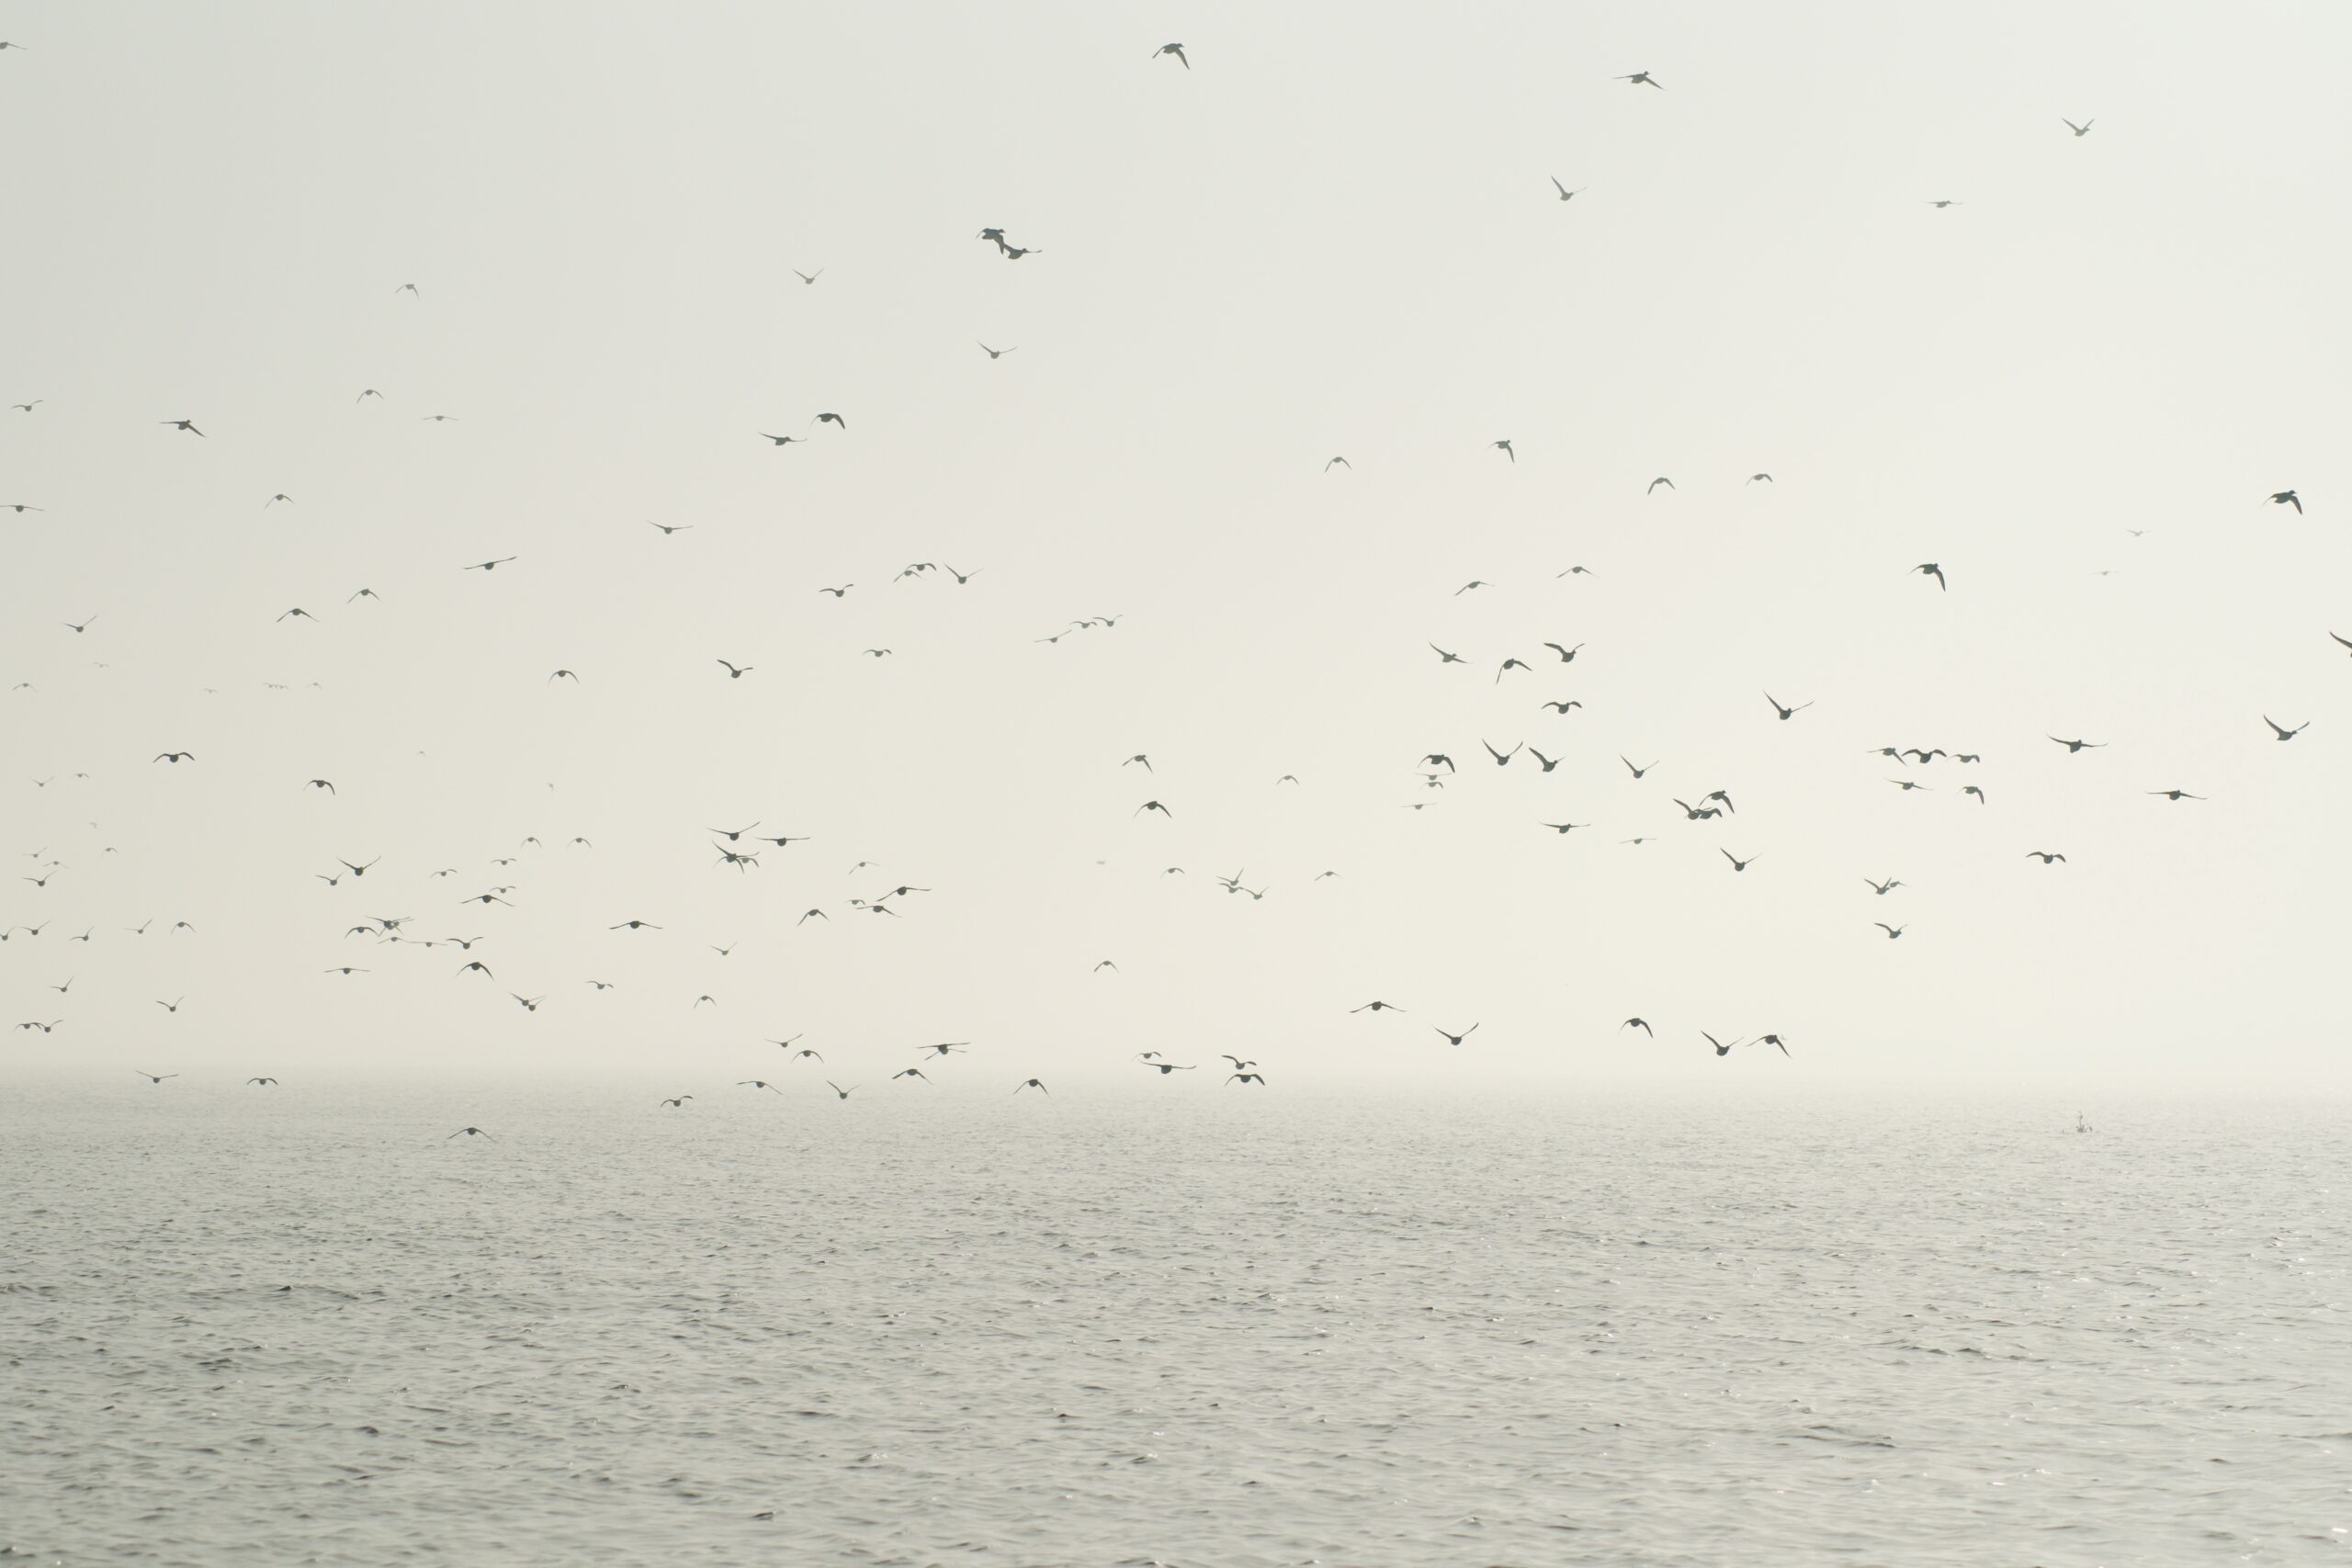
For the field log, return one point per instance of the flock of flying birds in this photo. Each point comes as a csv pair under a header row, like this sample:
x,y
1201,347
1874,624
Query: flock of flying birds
x,y
741,848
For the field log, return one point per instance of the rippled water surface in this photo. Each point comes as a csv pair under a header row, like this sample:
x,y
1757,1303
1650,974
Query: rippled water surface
x,y
245,1326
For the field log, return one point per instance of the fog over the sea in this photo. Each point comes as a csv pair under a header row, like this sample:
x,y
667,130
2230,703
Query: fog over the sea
x,y
1333,233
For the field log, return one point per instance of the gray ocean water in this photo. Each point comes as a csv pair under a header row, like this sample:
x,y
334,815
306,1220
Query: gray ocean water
x,y
245,1326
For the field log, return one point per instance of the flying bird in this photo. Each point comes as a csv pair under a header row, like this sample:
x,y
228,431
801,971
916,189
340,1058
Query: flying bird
x,y
2044,856
2075,746
2285,734
181,424
997,353
1566,193
1643,79
2287,498
2080,130
1930,569
489,565
1786,713
808,277
1175,49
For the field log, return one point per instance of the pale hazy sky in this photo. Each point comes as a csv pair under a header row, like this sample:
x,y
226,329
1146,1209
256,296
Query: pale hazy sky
x,y
1336,233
